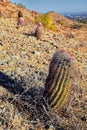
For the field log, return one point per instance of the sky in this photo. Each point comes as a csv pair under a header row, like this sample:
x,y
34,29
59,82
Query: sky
x,y
60,6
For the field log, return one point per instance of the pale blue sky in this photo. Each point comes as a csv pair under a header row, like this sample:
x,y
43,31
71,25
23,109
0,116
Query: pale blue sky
x,y
60,6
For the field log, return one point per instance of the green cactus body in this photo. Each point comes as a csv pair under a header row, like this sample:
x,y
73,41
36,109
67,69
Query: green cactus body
x,y
59,82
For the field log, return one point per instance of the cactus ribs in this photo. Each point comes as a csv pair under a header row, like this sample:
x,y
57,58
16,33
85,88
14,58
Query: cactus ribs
x,y
59,81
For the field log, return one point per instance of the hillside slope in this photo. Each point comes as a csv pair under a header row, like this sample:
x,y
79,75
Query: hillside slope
x,y
27,59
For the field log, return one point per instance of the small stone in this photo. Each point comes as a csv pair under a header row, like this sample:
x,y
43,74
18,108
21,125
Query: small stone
x,y
51,128
37,53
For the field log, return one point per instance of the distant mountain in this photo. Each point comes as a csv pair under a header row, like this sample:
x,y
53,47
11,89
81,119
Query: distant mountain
x,y
76,16
73,13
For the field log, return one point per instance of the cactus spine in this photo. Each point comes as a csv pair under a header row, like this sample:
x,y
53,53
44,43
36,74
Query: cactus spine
x,y
59,82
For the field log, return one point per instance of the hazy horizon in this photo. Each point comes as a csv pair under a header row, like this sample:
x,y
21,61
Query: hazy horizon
x,y
61,6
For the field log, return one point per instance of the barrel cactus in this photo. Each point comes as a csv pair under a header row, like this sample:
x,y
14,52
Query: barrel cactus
x,y
59,81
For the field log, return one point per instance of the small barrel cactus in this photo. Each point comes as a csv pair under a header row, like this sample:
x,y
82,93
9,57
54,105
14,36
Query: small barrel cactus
x,y
59,81
39,31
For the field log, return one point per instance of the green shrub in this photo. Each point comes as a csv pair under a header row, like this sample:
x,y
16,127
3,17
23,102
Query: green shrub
x,y
21,5
47,21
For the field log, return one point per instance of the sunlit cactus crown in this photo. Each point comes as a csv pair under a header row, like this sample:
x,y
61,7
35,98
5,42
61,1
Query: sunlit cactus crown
x,y
59,81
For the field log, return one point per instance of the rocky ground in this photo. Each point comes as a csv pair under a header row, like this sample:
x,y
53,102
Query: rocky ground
x,y
27,59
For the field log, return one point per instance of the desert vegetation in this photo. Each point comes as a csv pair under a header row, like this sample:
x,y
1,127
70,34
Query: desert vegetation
x,y
24,67
47,21
82,21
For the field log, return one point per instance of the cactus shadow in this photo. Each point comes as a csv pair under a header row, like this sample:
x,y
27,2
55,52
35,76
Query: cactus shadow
x,y
29,34
12,85
29,102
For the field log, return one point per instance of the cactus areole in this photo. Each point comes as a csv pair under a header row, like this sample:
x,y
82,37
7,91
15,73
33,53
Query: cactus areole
x,y
59,81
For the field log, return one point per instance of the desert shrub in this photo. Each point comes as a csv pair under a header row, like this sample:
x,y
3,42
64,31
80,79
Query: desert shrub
x,y
76,26
21,5
60,22
82,21
47,21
